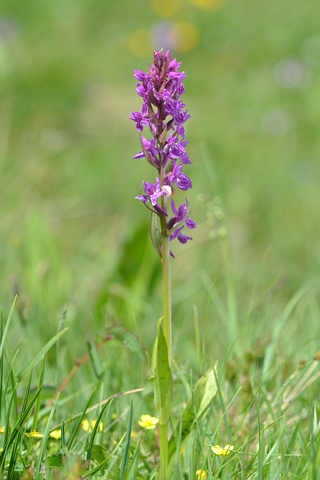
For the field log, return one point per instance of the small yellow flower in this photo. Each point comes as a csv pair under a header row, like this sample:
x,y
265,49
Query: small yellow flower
x,y
148,422
222,451
89,426
34,434
2,430
201,474
56,434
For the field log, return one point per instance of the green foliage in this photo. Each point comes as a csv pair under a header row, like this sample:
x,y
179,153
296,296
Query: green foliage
x,y
196,408
74,239
161,379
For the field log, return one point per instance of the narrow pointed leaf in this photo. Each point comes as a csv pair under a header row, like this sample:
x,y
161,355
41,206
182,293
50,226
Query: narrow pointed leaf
x,y
95,360
204,392
161,376
126,449
45,439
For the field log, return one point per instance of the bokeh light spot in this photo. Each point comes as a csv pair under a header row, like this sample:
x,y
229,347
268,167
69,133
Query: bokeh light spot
x,y
209,4
141,43
276,123
290,73
166,8
186,36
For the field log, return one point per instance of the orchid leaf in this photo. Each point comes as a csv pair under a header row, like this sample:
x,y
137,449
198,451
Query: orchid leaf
x,y
197,407
161,376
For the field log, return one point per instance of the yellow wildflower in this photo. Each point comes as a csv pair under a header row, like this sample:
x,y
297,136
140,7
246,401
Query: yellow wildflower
x,y
148,422
89,426
201,474
56,434
34,434
222,451
2,430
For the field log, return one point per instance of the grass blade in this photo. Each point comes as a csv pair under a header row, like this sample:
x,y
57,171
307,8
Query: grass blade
x,y
72,437
40,354
95,429
6,328
45,439
126,449
17,427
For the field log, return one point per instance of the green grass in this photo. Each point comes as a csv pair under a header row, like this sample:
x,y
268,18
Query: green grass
x,y
76,251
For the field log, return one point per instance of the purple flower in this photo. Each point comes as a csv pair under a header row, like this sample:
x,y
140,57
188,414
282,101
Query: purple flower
x,y
180,130
142,90
184,158
190,223
182,238
140,75
176,150
181,117
179,216
153,192
180,213
149,150
183,181
164,114
140,120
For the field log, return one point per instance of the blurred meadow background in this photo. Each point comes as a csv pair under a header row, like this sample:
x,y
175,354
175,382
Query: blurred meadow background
x,y
74,239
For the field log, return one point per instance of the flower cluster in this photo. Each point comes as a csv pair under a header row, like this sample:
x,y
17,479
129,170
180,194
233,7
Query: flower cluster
x,y
164,114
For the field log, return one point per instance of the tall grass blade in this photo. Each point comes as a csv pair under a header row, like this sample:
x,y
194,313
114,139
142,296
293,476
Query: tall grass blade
x,y
221,401
12,380
27,392
5,331
126,449
17,427
81,416
14,455
133,473
39,356
8,418
45,439
95,428
290,307
95,470
38,402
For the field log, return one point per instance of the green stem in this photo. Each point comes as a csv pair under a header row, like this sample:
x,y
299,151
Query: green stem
x,y
166,285
163,439
167,329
